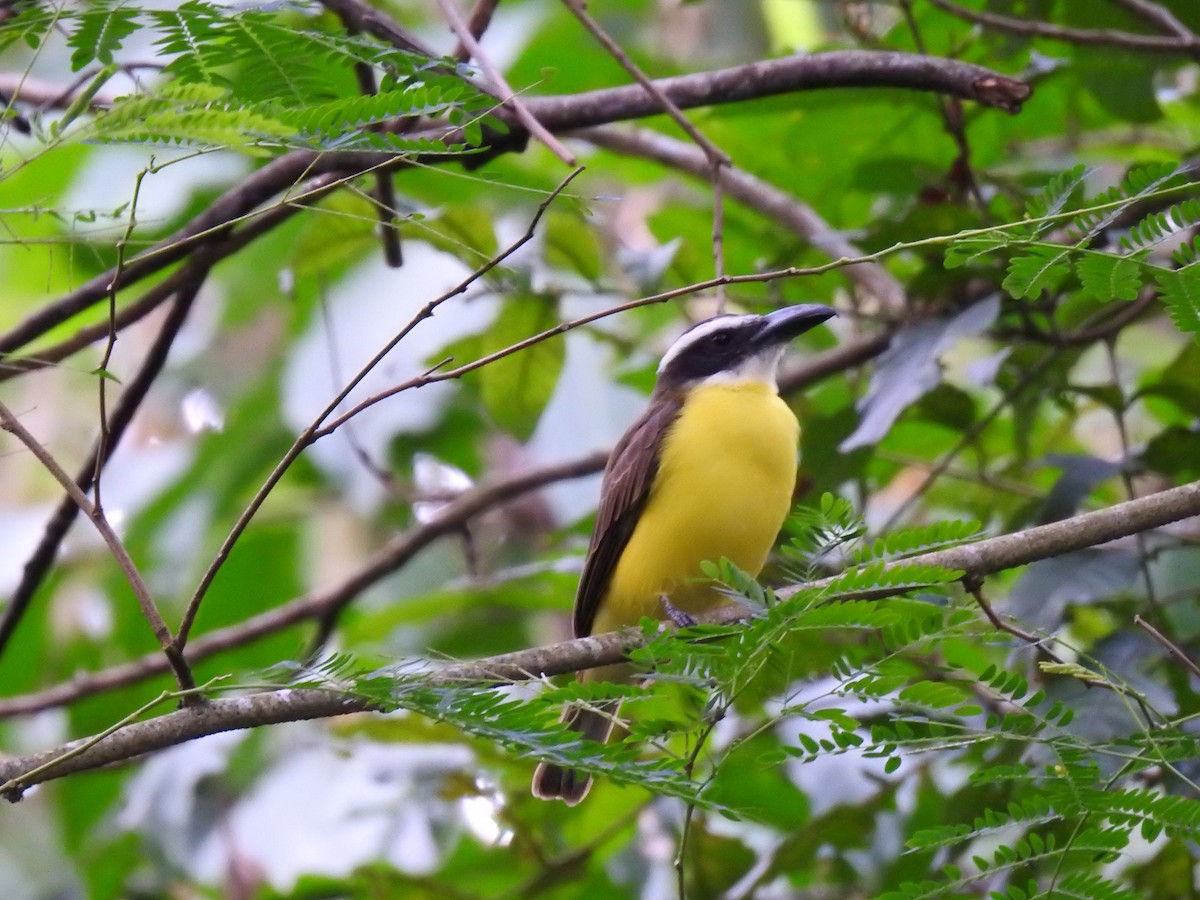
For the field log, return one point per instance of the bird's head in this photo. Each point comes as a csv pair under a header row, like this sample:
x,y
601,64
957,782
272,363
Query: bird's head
x,y
735,349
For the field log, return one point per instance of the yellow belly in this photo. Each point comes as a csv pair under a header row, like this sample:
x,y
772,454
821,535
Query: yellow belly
x,y
724,486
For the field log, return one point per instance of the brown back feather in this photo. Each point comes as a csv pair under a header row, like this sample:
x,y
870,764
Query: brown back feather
x,y
623,493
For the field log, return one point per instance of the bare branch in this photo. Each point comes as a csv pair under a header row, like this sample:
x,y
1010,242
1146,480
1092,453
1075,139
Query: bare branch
x,y
506,93
1172,648
716,156
1159,16
975,560
315,431
11,424
477,23
759,195
37,566
1102,37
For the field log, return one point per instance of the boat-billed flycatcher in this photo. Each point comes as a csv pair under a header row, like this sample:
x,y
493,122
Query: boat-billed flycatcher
x,y
707,471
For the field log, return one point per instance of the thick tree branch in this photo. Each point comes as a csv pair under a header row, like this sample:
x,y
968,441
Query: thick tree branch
x,y
267,708
768,78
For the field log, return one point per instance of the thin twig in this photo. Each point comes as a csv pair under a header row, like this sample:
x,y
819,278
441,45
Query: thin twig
x,y
761,196
110,342
1092,36
718,238
314,431
1159,16
442,374
1118,414
1173,648
13,788
194,270
385,188
477,23
1028,378
1103,326
717,158
11,424
974,587
506,94
961,175
39,563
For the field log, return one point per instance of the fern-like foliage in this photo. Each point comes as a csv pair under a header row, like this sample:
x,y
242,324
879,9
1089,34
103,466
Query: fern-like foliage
x,y
260,80
28,24
525,727
1053,248
100,31
904,688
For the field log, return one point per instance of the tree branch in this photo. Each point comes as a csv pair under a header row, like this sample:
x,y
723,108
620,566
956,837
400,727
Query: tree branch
x,y
183,674
503,91
1159,16
1093,36
759,195
850,68
267,708
448,522
318,429
478,21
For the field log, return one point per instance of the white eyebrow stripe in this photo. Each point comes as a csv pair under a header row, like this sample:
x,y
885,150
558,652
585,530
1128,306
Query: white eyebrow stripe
x,y
703,330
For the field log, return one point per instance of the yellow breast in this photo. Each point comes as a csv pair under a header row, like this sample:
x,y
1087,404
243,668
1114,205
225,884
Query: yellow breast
x,y
726,475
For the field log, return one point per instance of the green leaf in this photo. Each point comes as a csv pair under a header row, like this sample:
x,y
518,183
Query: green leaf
x,y
1181,294
517,387
100,33
571,244
1040,269
1108,277
1055,196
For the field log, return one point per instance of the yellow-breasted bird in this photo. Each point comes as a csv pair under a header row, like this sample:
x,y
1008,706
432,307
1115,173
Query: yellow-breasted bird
x,y
707,471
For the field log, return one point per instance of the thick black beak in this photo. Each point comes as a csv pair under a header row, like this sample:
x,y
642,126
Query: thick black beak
x,y
784,324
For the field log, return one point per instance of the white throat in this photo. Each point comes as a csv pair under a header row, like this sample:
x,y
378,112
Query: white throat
x,y
759,369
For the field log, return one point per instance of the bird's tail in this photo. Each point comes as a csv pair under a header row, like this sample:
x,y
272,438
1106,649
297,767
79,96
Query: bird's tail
x,y
551,782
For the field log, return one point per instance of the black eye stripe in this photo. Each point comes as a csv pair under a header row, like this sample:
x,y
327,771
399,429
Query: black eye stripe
x,y
711,353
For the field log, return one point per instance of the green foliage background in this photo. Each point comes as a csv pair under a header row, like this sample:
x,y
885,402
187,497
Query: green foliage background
x,y
1044,362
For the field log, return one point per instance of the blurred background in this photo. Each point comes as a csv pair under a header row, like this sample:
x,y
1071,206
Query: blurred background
x,y
963,392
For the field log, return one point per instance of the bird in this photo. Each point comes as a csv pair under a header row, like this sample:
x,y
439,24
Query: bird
x,y
707,471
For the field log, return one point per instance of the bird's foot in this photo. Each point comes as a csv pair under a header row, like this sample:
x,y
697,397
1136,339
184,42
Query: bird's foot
x,y
677,616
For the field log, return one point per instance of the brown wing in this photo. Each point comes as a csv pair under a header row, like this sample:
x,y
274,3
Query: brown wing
x,y
623,493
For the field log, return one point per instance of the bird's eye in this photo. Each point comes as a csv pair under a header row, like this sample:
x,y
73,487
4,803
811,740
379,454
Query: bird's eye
x,y
721,339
